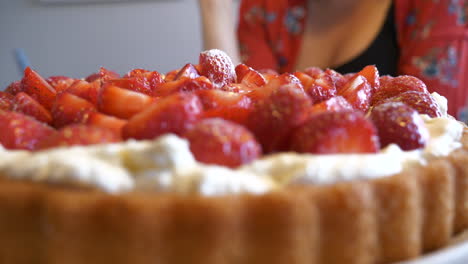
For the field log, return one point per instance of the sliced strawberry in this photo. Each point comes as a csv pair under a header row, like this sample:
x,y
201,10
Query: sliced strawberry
x,y
103,75
391,87
399,124
218,67
14,88
249,77
183,85
305,79
20,131
338,79
38,88
240,88
60,83
241,70
27,105
79,134
321,89
336,132
170,76
220,142
227,105
173,114
423,103
334,104
140,80
283,80
6,100
385,80
274,117
69,109
86,90
188,71
371,73
106,121
313,71
122,103
357,92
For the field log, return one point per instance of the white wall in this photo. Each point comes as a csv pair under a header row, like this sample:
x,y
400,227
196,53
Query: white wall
x,y
75,40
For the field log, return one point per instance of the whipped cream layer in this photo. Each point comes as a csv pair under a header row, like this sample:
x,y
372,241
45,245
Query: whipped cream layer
x,y
167,165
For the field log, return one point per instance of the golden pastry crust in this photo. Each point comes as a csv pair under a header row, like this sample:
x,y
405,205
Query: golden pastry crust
x,y
376,221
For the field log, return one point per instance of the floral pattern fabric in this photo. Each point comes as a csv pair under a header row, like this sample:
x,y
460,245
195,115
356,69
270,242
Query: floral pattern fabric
x,y
432,36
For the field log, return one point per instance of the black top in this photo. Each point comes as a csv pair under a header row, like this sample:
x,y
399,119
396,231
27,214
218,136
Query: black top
x,y
383,52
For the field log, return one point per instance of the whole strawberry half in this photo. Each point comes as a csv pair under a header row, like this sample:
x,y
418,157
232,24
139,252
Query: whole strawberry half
x,y
173,114
78,134
221,142
20,131
336,132
393,86
218,67
422,102
399,124
274,117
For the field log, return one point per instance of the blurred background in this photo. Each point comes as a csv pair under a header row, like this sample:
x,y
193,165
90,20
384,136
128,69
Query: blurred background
x,y
76,37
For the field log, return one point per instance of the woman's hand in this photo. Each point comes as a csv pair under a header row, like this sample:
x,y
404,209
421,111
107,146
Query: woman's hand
x,y
218,27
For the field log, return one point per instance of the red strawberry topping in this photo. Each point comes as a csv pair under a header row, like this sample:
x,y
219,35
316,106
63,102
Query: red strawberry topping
x,y
20,131
14,88
217,141
391,87
423,103
38,88
172,114
399,124
79,134
6,101
122,103
357,92
188,71
274,117
27,105
218,67
69,109
336,132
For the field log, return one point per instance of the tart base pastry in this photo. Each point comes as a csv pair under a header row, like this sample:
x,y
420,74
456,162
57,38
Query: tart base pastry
x,y
376,221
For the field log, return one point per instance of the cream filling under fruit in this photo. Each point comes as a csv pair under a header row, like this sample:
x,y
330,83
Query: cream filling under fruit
x,y
167,165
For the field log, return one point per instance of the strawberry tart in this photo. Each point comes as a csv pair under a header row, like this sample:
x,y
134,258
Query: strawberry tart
x,y
217,163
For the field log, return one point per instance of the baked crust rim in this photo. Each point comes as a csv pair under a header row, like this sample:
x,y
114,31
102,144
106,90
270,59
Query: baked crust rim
x,y
374,221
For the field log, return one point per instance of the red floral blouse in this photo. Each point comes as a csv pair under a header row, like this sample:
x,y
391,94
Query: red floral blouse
x,y
432,37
